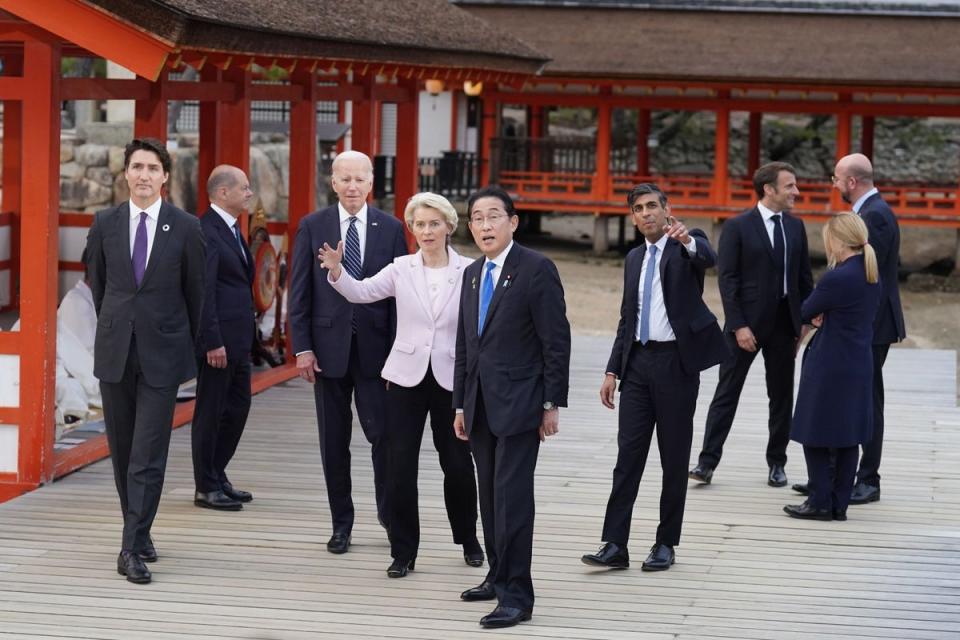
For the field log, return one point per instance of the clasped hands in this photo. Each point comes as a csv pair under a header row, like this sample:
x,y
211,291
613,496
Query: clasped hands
x,y
549,425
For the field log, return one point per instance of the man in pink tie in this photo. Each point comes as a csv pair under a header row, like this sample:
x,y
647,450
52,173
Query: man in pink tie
x,y
145,259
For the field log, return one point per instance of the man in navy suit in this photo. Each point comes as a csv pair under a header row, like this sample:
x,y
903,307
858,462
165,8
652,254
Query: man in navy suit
x,y
853,178
145,262
764,277
665,338
341,347
223,346
511,375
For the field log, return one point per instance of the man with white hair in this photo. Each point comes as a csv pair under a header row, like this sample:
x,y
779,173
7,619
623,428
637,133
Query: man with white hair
x,y
341,347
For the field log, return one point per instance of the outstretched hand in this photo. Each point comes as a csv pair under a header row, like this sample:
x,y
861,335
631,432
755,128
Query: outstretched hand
x,y
677,230
331,258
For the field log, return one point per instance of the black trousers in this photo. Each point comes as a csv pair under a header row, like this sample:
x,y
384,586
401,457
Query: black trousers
x,y
335,424
656,393
505,471
869,472
407,409
223,402
139,420
830,473
778,351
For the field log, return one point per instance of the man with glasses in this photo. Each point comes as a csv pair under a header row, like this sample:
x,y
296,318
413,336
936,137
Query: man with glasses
x,y
853,179
341,347
510,377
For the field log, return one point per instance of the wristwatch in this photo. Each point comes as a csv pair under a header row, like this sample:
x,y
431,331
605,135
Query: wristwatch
x,y
549,406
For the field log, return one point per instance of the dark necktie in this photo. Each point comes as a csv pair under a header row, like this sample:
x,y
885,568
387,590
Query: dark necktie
x,y
779,252
351,252
236,233
486,295
647,294
139,257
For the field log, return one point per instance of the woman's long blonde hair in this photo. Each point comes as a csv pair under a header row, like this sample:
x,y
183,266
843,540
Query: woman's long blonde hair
x,y
847,229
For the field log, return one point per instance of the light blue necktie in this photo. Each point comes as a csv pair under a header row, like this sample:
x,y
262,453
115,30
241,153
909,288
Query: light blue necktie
x,y
647,293
486,295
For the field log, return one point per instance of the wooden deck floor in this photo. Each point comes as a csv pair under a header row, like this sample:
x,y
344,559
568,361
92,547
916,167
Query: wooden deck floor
x,y
744,569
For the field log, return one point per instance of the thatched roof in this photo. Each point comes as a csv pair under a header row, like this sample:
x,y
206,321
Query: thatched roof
x,y
820,48
411,32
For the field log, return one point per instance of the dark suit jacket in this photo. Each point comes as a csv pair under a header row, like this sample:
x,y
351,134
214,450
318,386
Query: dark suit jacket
x,y
699,339
320,318
523,358
835,398
228,313
748,276
885,240
164,310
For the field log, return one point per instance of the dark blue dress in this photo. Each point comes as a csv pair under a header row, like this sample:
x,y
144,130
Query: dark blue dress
x,y
835,400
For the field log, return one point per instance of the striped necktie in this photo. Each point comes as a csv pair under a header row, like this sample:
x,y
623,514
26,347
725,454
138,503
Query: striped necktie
x,y
351,253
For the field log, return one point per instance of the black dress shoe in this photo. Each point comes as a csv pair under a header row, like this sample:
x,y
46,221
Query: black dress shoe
x,y
338,543
400,568
483,591
504,617
216,500
802,489
840,515
473,553
661,558
806,511
129,564
236,494
777,477
610,555
701,473
864,493
149,552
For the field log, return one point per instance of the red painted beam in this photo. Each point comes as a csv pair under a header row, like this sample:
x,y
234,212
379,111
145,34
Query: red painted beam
x,y
405,177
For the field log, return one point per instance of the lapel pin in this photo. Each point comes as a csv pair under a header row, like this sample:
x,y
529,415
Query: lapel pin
x,y
166,227
473,283
506,282
373,224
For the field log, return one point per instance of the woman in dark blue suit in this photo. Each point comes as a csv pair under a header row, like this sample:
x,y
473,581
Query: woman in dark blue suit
x,y
834,412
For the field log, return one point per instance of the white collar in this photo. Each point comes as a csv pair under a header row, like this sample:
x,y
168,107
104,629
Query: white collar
x,y
227,217
345,215
153,210
660,244
767,213
859,203
500,259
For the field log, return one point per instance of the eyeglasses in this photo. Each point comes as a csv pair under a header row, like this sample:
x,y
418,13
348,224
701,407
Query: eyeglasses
x,y
493,219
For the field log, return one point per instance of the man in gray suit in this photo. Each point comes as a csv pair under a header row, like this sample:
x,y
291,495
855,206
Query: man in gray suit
x,y
146,264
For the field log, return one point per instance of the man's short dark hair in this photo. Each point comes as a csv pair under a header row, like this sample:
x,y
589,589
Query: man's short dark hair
x,y
492,191
147,144
768,174
643,189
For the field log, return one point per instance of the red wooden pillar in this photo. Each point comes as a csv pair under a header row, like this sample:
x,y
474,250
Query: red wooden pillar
x,y
755,140
303,151
12,174
363,128
209,151
601,176
488,130
150,115
234,123
40,199
405,177
843,148
721,175
643,142
536,134
866,136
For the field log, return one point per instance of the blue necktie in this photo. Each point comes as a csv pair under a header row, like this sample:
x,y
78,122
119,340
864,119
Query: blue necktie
x,y
486,295
647,293
139,257
779,252
236,233
351,252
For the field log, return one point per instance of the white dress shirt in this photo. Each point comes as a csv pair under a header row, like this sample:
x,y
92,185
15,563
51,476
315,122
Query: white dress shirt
x,y
153,214
660,329
859,203
229,219
499,260
361,225
767,216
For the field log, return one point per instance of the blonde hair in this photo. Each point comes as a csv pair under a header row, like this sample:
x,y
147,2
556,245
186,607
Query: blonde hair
x,y
431,201
849,231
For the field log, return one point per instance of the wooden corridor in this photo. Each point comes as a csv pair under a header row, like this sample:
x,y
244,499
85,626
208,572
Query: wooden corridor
x,y
744,569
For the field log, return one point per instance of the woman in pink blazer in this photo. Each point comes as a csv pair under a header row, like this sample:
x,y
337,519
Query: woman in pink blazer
x,y
419,375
